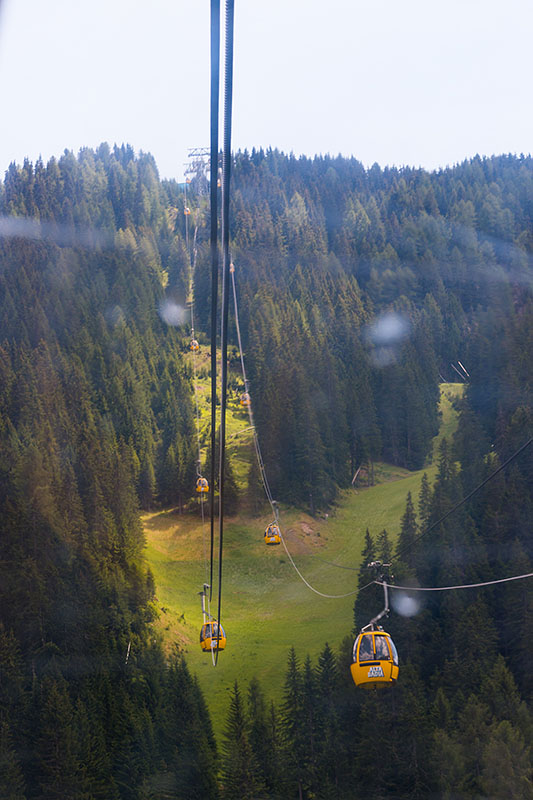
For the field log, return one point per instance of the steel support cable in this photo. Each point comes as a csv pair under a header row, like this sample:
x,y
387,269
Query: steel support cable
x,y
186,223
191,301
259,456
340,566
226,177
192,269
210,618
203,538
316,591
448,513
261,464
449,588
192,264
238,327
465,499
213,240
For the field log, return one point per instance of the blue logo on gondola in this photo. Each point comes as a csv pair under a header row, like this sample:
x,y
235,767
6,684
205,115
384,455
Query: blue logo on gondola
x,y
375,672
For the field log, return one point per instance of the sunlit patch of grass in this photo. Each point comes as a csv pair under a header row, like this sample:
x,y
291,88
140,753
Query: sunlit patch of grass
x,y
266,609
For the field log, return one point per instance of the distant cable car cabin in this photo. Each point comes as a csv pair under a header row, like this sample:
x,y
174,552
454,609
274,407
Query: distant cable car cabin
x,y
211,638
202,485
375,660
186,211
272,534
245,399
194,345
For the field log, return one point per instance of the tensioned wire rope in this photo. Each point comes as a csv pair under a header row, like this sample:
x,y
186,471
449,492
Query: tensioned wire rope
x,y
213,245
467,497
447,514
403,550
226,175
249,402
449,588
192,269
260,461
195,374
213,240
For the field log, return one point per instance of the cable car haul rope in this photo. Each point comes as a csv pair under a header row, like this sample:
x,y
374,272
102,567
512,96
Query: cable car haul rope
x,y
461,586
212,635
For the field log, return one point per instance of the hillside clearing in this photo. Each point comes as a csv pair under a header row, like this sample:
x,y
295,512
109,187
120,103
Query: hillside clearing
x,y
266,609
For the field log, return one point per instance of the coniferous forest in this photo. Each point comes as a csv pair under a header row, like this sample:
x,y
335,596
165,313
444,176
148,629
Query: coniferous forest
x,y
359,287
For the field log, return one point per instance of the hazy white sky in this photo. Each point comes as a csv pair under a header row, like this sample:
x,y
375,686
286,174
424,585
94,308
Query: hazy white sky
x,y
422,82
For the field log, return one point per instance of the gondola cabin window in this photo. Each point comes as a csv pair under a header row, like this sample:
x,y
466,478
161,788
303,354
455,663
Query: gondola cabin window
x,y
366,651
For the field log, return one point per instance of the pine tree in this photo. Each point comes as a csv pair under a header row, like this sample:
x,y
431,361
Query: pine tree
x,y
448,763
61,773
241,775
187,738
265,739
384,547
257,734
499,692
11,779
292,717
256,491
231,492
408,534
331,754
507,764
424,502
310,728
93,756
369,596
410,736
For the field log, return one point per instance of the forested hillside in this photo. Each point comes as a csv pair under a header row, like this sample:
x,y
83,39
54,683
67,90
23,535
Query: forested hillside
x,y
358,287
322,248
94,395
458,724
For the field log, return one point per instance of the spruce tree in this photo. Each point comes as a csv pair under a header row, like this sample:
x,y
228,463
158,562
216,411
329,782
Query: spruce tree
x,y
506,764
294,745
264,738
11,779
331,753
408,534
60,769
384,547
240,773
424,502
370,596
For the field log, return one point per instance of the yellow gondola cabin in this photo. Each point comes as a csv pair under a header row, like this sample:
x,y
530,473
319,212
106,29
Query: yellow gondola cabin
x,y
272,534
202,485
245,399
208,637
375,660
194,345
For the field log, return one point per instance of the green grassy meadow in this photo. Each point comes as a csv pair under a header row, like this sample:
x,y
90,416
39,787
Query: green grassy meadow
x,y
266,608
